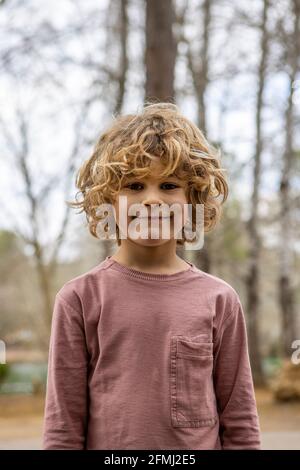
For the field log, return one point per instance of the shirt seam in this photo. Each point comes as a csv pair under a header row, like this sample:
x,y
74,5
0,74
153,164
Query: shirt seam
x,y
226,322
81,319
157,280
69,305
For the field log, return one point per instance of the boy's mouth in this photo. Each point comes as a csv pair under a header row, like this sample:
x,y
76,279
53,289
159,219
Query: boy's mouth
x,y
149,217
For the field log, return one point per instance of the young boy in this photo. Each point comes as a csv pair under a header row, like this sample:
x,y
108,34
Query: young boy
x,y
147,351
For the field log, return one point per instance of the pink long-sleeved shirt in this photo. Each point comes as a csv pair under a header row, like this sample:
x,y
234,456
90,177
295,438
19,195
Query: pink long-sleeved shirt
x,y
149,361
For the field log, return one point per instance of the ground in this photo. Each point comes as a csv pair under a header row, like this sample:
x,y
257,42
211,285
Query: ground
x,y
21,422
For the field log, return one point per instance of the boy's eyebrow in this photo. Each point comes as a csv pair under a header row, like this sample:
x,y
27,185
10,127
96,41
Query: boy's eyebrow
x,y
173,175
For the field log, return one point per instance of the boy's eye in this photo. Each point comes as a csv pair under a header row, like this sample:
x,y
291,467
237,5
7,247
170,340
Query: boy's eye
x,y
134,186
137,186
173,185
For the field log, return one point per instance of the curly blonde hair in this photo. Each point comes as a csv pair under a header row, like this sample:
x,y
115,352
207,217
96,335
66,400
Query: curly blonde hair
x,y
129,145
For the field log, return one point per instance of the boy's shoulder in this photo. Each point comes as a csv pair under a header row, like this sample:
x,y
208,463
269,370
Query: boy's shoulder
x,y
220,288
82,286
223,299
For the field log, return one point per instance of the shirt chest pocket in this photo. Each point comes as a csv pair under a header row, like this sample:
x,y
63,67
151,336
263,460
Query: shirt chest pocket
x,y
193,402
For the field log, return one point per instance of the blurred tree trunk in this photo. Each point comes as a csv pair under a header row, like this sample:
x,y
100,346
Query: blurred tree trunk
x,y
253,276
124,63
160,53
286,293
199,68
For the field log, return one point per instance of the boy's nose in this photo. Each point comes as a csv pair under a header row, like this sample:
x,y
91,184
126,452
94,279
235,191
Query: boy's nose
x,y
152,203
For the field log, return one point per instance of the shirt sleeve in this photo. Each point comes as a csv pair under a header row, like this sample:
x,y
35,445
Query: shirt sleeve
x,y
238,417
65,416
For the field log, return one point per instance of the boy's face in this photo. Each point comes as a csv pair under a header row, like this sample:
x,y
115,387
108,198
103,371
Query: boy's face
x,y
150,193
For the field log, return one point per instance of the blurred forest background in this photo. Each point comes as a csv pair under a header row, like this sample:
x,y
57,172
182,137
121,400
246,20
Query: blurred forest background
x,y
66,69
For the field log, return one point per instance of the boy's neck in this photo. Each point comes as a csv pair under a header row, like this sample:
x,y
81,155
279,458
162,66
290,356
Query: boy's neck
x,y
159,259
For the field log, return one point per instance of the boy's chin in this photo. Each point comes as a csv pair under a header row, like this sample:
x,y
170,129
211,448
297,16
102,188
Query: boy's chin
x,y
150,241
